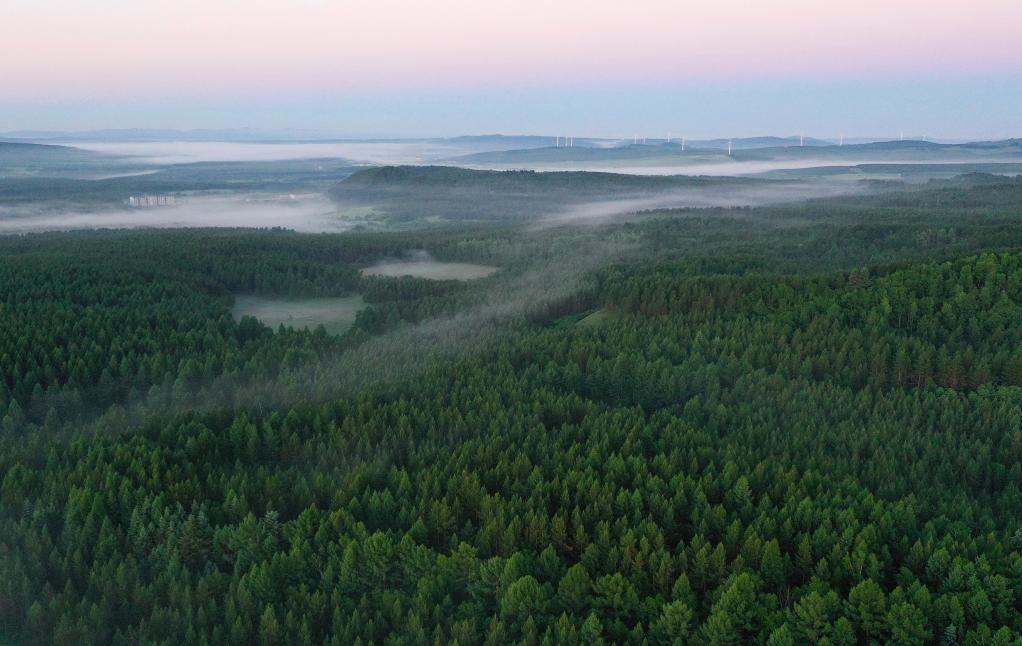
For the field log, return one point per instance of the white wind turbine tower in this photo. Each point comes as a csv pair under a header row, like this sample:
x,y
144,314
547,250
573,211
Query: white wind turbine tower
x,y
729,147
682,144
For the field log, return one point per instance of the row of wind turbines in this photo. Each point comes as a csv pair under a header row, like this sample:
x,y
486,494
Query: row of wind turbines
x,y
569,141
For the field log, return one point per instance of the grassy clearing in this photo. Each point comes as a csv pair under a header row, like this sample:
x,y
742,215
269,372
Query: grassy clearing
x,y
590,318
569,321
594,319
334,314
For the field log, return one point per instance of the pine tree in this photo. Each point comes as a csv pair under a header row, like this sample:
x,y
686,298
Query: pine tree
x,y
591,631
269,629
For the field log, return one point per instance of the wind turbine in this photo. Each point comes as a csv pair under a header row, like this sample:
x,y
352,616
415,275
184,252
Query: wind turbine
x,y
729,147
682,144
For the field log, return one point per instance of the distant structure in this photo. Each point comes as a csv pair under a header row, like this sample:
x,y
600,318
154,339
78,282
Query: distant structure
x,y
682,144
801,141
728,147
150,201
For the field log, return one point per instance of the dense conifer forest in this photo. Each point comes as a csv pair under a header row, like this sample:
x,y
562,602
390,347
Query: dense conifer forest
x,y
778,425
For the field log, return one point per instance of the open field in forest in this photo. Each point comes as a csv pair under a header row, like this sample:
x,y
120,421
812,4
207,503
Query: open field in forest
x,y
334,314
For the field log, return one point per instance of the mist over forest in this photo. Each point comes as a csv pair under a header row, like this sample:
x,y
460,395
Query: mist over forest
x,y
485,389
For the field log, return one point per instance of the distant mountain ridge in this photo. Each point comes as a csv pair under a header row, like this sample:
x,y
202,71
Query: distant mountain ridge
x,y
15,153
752,149
449,193
451,177
158,134
17,146
745,143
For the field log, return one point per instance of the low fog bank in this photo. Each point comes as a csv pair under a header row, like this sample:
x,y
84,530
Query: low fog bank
x,y
597,212
722,168
310,214
514,297
501,309
184,152
421,264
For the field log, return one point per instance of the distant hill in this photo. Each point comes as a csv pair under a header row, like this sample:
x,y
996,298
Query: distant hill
x,y
253,135
157,134
452,177
577,153
525,141
754,149
26,148
909,150
20,157
1003,144
448,193
907,144
747,143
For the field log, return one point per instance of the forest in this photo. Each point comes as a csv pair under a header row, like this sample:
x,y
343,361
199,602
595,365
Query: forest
x,y
784,424
411,194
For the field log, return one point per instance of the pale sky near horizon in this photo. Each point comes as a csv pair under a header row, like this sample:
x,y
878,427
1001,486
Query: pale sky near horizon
x,y
943,68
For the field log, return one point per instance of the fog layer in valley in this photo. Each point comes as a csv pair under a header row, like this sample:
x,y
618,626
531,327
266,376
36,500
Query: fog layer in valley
x,y
709,197
311,214
421,264
714,169
496,311
184,152
314,213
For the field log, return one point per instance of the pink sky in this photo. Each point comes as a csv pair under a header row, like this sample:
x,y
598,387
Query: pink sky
x,y
116,48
